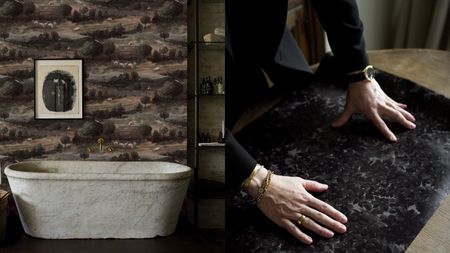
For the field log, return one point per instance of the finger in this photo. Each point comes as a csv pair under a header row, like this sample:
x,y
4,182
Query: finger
x,y
406,114
324,220
379,123
314,186
343,118
398,116
293,230
404,106
391,103
327,209
396,103
316,228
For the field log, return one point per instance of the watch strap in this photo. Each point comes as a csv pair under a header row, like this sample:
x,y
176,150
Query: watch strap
x,y
360,76
366,74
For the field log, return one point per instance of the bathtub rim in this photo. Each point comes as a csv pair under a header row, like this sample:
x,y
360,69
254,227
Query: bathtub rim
x,y
170,176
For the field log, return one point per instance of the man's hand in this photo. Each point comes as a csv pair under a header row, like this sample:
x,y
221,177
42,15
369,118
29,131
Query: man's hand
x,y
367,98
287,198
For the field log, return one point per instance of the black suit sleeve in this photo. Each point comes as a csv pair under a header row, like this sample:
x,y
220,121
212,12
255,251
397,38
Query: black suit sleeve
x,y
239,163
255,41
254,30
340,19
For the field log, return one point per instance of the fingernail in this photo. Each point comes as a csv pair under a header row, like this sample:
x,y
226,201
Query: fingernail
x,y
331,234
412,125
345,219
310,240
325,185
343,228
393,138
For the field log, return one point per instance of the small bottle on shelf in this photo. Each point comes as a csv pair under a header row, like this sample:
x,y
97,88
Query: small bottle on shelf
x,y
201,138
202,86
220,86
215,86
220,139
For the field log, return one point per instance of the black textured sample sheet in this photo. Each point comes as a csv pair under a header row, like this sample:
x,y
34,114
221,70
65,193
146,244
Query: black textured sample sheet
x,y
387,190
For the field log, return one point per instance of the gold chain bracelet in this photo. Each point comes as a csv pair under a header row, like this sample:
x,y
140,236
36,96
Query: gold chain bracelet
x,y
262,190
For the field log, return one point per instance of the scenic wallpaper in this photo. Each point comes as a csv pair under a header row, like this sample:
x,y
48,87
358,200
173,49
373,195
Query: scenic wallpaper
x,y
135,73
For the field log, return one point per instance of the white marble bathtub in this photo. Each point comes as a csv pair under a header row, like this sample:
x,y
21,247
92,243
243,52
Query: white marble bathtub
x,y
88,199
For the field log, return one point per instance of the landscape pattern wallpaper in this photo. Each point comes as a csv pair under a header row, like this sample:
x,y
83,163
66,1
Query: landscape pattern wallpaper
x,y
135,73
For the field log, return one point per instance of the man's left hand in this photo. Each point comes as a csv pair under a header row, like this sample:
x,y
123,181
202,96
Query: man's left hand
x,y
367,98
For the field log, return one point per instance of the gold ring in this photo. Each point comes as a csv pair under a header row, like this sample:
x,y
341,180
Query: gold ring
x,y
301,219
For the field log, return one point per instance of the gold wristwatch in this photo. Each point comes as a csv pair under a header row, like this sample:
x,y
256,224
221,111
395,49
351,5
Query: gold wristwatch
x,y
368,73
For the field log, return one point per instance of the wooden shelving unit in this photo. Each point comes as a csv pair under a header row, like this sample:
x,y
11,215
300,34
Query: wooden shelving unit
x,y
206,204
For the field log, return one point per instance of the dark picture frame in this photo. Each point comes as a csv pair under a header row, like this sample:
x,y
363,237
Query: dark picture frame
x,y
58,89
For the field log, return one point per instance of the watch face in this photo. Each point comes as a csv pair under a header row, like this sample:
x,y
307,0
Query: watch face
x,y
370,73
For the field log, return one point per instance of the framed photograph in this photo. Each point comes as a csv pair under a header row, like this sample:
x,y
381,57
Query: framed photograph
x,y
58,88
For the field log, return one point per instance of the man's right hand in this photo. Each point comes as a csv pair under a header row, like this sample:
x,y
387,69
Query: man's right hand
x,y
287,199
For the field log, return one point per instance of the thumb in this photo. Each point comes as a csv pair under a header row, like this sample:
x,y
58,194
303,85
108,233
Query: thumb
x,y
314,186
343,118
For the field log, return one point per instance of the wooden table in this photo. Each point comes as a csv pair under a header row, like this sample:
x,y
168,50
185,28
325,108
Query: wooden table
x,y
429,68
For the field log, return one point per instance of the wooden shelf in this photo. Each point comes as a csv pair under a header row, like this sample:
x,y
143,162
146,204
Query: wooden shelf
x,y
211,144
213,1
211,95
211,45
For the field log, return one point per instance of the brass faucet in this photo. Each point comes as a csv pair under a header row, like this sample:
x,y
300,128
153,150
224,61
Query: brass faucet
x,y
100,142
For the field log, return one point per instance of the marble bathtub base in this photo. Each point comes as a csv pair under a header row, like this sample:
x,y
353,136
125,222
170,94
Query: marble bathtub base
x,y
96,215
387,190
104,208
